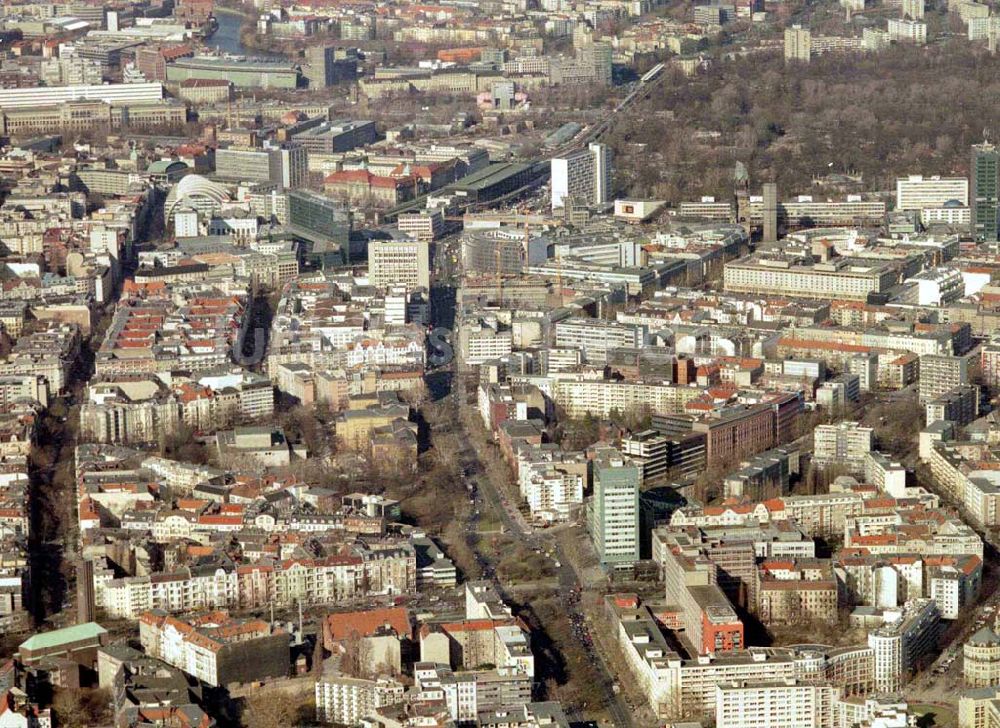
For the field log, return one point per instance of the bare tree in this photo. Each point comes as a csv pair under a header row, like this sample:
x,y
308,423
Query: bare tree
x,y
270,709
81,708
356,656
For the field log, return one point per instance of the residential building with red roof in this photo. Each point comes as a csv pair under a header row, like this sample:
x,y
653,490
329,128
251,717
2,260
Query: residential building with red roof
x,y
216,648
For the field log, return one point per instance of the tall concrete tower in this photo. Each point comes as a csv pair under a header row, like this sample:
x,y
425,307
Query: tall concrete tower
x,y
85,601
770,234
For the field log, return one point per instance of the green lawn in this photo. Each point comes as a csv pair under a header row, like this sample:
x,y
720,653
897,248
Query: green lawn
x,y
488,521
935,716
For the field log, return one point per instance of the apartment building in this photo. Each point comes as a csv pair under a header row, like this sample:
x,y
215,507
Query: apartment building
x,y
732,552
941,373
982,28
361,573
886,474
189,327
953,582
529,715
217,649
798,45
537,464
950,339
981,493
468,693
903,30
24,387
141,410
482,339
553,493
613,515
774,705
646,653
989,362
979,707
599,397
801,590
700,677
846,443
906,639
891,527
692,582
346,700
498,403
49,353
116,419
959,406
823,515
950,464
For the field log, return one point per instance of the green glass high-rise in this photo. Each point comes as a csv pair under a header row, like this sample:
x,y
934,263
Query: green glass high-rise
x,y
614,510
325,223
985,177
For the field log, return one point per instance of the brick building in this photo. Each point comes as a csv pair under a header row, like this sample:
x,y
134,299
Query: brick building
x,y
736,433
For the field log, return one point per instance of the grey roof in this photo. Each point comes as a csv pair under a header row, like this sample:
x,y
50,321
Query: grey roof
x,y
985,636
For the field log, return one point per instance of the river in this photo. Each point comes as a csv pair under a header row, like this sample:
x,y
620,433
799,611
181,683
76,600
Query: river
x,y
226,38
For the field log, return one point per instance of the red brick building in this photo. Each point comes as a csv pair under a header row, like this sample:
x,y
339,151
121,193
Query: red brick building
x,y
362,187
787,407
152,62
195,12
735,433
720,636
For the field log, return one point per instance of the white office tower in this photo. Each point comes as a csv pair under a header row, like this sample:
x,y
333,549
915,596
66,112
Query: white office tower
x,y
584,175
917,192
399,263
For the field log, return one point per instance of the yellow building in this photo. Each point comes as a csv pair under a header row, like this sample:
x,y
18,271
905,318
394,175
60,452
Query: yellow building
x,y
355,427
978,708
981,659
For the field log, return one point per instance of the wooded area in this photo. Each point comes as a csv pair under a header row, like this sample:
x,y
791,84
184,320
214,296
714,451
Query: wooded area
x,y
908,110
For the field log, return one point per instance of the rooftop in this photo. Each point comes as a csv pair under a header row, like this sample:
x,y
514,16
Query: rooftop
x,y
67,635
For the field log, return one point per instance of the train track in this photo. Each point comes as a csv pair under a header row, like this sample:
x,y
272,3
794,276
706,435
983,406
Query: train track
x,y
596,131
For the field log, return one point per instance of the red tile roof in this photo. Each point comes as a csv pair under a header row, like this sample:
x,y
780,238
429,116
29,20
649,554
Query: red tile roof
x,y
365,623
